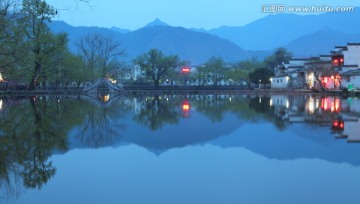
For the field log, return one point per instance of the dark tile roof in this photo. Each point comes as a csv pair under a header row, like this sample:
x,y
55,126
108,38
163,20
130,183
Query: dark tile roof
x,y
350,66
353,44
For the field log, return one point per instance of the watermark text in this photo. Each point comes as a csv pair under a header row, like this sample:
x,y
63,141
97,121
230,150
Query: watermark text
x,y
282,8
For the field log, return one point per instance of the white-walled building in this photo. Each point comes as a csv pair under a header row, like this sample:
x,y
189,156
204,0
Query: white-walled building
x,y
351,56
280,82
351,79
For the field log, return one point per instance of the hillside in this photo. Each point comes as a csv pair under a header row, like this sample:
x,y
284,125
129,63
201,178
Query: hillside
x,y
321,42
280,29
192,46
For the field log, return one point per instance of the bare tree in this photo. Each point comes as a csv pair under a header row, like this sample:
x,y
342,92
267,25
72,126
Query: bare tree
x,y
321,69
100,54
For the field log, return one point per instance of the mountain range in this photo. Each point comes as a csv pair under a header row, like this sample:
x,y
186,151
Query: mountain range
x,y
191,46
281,29
303,35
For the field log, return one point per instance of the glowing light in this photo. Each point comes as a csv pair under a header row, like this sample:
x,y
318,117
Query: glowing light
x,y
1,104
106,98
186,108
311,76
330,104
337,105
185,70
310,106
338,124
113,81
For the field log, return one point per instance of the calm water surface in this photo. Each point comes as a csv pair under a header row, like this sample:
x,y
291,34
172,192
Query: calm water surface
x,y
180,149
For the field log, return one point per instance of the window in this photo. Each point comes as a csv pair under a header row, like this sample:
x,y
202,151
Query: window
x,y
348,78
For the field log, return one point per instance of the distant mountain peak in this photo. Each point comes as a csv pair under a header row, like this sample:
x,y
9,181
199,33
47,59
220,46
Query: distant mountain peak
x,y
156,22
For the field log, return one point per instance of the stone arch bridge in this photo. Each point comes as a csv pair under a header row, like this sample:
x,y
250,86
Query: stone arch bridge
x,y
102,92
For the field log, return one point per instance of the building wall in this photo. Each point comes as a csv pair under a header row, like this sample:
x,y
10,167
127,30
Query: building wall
x,y
280,82
352,55
350,80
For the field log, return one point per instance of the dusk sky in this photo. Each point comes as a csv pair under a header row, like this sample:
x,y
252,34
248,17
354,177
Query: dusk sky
x,y
134,14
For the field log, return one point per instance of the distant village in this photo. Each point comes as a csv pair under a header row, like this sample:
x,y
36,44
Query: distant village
x,y
337,71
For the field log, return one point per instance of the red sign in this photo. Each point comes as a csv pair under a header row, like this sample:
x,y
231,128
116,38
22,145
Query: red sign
x,y
185,70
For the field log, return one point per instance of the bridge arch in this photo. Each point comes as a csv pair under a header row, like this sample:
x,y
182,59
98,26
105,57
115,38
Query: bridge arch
x,y
94,87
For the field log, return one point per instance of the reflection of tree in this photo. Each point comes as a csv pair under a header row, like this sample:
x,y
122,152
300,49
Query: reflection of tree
x,y
101,125
212,107
156,112
29,133
262,106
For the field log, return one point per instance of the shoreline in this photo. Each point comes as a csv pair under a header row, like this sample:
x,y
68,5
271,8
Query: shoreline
x,y
181,91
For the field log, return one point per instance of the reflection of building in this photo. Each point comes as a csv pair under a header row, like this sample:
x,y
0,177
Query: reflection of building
x,y
351,130
332,104
323,111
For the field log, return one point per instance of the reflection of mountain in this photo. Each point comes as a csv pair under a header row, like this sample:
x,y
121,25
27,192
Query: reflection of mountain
x,y
294,143
260,137
196,129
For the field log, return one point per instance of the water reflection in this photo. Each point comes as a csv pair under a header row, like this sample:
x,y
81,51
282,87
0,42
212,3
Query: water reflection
x,y
32,129
340,115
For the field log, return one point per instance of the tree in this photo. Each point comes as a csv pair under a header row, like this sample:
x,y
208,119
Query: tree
x,y
240,71
280,56
38,42
157,66
100,54
66,68
8,14
262,75
213,70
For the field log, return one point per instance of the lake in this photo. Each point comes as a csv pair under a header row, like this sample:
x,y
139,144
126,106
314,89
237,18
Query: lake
x,y
180,149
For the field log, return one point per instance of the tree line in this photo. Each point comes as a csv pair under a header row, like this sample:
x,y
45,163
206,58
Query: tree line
x,y
34,57
158,68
